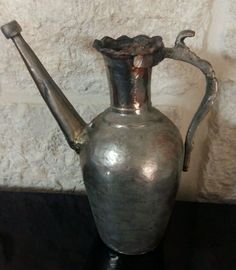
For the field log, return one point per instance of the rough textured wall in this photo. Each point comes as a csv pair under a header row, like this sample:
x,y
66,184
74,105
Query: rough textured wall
x,y
33,152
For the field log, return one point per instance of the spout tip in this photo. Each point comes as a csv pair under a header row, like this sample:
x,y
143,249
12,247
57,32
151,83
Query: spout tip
x,y
11,29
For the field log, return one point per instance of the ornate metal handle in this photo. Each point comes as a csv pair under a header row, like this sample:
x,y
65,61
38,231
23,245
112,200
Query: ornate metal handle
x,y
182,52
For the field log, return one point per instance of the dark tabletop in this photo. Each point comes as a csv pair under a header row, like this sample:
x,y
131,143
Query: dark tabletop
x,y
56,231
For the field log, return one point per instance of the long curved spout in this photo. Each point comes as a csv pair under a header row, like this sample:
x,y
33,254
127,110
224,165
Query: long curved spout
x,y
71,124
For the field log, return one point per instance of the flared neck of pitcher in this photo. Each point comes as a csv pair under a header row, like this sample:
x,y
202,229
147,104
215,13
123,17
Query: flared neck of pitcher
x,y
129,63
129,85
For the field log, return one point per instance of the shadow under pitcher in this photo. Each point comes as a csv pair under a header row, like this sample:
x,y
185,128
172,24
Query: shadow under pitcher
x,y
131,154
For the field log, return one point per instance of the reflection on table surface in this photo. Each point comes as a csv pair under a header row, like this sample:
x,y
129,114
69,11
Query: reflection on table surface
x,y
103,258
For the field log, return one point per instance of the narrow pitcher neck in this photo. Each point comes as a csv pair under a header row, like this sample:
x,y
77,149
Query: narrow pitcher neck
x,y
129,85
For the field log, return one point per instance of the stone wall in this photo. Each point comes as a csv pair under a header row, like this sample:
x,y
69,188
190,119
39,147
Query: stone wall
x,y
33,152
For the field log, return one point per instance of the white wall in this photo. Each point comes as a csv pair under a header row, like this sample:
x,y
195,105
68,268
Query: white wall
x,y
33,152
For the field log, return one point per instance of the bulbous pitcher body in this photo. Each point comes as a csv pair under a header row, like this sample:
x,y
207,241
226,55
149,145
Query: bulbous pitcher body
x,y
131,167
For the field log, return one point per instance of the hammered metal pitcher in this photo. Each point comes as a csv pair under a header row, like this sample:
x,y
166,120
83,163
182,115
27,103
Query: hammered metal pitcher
x,y
131,154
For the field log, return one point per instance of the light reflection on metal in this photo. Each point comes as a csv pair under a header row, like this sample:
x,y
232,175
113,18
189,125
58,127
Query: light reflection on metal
x,y
112,157
150,170
136,105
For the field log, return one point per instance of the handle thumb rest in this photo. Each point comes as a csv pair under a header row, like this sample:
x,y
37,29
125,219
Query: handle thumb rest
x,y
11,29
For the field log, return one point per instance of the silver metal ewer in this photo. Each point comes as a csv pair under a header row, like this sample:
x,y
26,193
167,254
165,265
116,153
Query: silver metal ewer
x,y
131,154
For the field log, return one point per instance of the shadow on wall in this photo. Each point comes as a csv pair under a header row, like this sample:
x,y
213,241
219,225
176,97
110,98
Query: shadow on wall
x,y
190,183
219,171
214,154
217,181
